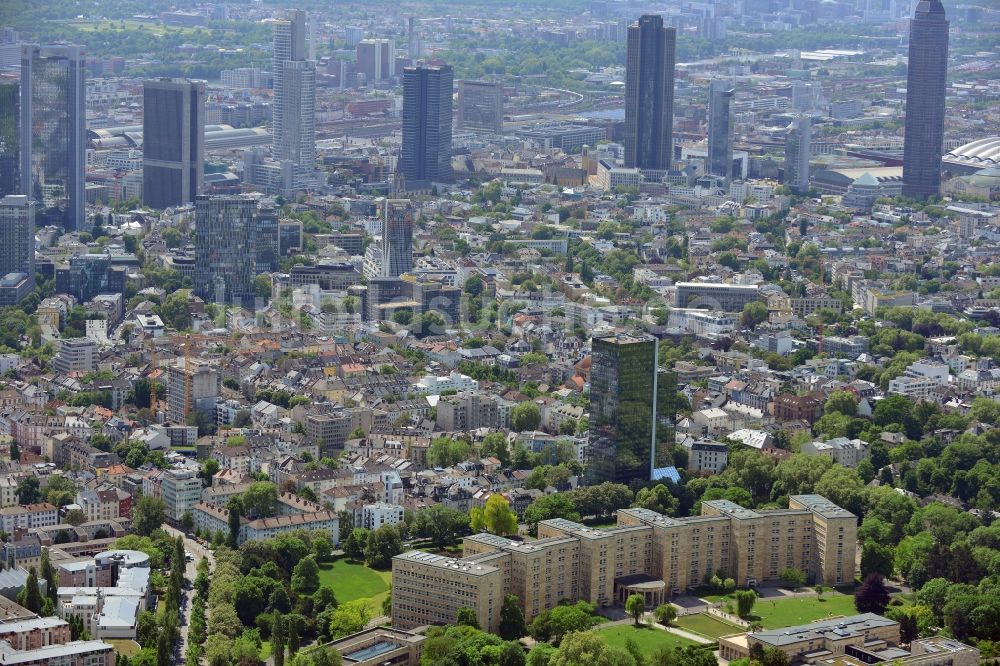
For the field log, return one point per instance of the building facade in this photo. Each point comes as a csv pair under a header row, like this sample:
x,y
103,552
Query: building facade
x,y
225,256
173,141
623,377
480,106
53,139
926,80
720,130
17,229
797,142
10,153
649,94
293,113
427,114
397,238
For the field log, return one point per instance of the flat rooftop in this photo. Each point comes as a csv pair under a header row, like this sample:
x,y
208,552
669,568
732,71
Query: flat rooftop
x,y
822,506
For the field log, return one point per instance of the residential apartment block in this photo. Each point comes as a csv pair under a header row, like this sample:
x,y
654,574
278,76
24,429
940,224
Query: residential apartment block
x,y
646,553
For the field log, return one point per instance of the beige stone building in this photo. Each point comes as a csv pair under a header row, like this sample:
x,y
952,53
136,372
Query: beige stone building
x,y
646,553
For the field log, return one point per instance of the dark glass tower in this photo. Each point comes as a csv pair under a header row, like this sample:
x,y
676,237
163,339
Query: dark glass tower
x,y
427,102
623,406
397,245
10,109
649,94
52,133
720,130
225,249
173,141
926,74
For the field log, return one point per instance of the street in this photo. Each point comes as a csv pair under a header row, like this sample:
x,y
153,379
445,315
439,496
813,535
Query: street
x,y
187,595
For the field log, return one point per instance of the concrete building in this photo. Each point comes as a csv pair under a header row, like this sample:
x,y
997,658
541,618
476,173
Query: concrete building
x,y
717,296
293,120
375,59
797,142
181,491
377,647
646,553
706,456
374,516
75,355
841,450
191,385
17,229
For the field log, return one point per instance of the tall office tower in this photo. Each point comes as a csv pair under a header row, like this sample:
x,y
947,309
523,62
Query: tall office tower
x,y
225,250
649,94
412,39
293,111
480,106
17,235
797,145
375,59
623,377
10,109
803,96
52,133
173,141
926,74
720,129
427,95
397,238
268,239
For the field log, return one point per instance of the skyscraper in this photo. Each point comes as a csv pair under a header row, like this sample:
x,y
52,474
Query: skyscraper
x,y
268,239
623,406
427,95
52,133
480,106
397,238
649,94
926,74
797,146
17,235
173,141
293,112
720,129
225,250
10,110
375,59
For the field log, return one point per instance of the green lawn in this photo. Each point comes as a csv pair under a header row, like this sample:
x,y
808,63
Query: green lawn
x,y
647,638
124,646
352,580
789,612
265,650
707,625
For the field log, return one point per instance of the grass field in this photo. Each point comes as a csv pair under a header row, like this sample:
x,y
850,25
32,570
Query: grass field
x,y
352,580
647,638
151,28
124,646
800,610
706,625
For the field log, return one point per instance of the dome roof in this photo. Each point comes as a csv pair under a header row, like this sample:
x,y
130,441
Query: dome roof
x,y
984,153
985,178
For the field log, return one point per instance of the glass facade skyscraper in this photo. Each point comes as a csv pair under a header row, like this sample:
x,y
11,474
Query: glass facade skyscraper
x,y
52,133
17,231
720,129
623,409
797,151
480,106
10,109
397,238
427,105
926,81
293,113
225,249
649,93
173,148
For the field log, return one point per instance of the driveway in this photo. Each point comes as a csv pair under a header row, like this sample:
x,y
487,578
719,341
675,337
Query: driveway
x,y
190,572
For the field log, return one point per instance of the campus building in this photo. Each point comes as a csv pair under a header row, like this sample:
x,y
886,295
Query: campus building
x,y
646,553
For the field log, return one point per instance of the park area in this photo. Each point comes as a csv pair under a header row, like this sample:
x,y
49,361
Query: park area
x,y
353,580
647,638
777,613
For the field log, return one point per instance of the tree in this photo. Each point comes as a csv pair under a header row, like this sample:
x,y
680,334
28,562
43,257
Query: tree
x,y
658,498
512,625
876,558
383,544
262,286
28,490
349,618
665,614
467,617
441,524
278,640
305,576
525,416
32,597
148,514
498,517
753,313
260,500
234,522
635,606
588,648
745,599
546,507
872,596
75,517
841,402
357,541
793,577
